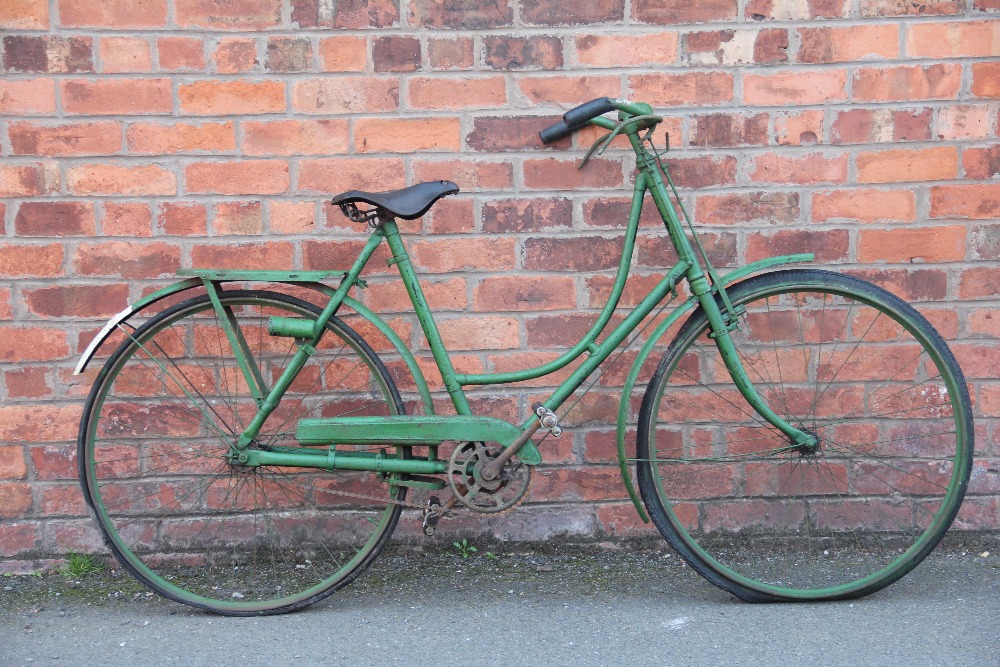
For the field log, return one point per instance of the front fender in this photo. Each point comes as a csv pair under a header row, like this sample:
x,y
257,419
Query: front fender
x,y
401,348
633,375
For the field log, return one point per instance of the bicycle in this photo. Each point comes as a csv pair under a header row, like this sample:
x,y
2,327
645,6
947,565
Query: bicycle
x,y
805,436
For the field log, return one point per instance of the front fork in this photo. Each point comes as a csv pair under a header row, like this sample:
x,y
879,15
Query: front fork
x,y
721,324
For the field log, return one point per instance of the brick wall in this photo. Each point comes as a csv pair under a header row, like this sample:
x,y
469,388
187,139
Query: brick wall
x,y
140,136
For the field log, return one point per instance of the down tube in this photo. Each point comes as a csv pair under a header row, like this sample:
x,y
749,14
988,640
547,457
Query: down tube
x,y
615,338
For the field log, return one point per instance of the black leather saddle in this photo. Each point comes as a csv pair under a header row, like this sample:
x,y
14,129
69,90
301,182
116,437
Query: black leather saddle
x,y
407,203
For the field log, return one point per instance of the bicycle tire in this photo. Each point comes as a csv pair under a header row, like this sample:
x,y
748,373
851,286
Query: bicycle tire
x,y
184,521
767,521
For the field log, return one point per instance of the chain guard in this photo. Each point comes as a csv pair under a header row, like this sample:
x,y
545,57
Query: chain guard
x,y
486,496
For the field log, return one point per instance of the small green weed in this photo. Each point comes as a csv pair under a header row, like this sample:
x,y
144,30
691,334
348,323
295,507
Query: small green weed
x,y
80,565
464,548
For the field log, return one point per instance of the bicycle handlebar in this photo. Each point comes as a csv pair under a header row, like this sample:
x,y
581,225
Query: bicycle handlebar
x,y
577,117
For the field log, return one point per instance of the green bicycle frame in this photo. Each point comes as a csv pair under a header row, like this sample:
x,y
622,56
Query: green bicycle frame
x,y
432,430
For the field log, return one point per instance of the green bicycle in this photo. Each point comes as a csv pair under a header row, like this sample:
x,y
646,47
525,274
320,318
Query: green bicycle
x,y
805,436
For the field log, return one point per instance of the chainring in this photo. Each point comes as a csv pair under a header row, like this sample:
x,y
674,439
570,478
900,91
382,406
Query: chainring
x,y
486,496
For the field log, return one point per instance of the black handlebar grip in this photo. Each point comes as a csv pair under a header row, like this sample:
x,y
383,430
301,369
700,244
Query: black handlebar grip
x,y
579,115
556,132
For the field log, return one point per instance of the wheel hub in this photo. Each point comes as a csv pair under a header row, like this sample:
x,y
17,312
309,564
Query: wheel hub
x,y
808,449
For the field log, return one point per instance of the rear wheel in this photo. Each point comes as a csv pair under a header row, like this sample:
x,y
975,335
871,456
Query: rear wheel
x,y
193,527
766,520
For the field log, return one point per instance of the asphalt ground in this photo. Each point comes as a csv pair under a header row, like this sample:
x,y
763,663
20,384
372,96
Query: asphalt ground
x,y
572,605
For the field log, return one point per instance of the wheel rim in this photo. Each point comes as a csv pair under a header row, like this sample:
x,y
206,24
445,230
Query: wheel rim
x,y
198,529
885,482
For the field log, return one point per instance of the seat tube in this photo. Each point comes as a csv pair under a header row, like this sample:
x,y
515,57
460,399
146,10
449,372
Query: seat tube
x,y
402,261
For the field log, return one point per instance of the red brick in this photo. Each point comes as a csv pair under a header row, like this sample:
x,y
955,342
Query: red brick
x,y
117,14
781,10
952,40
864,206
524,293
345,53
272,255
670,90
27,97
979,283
703,172
507,133
39,423
465,15
332,176
228,14
986,79
799,129
295,137
440,294
116,96
795,87
527,215
351,14
451,53
915,285
981,163
23,344
975,201
221,98
27,180
48,53
125,54
235,55
729,209
576,253
813,168
727,129
448,255
34,261
658,48
568,89
62,500
479,333
68,139
466,93
121,179
927,164
126,219
12,465
453,215
984,242
345,95
86,301
909,8
397,135
848,44
25,15
127,260
508,53
930,244
467,174
288,54
266,177
965,122
888,84
676,11
232,218
736,47
181,53
181,219
555,174
292,217
55,218
15,499
396,54
159,139
28,382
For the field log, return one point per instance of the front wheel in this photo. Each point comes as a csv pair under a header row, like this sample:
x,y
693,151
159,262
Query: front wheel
x,y
193,525
769,521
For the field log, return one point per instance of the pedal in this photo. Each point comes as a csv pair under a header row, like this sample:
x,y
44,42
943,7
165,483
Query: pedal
x,y
432,514
548,419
